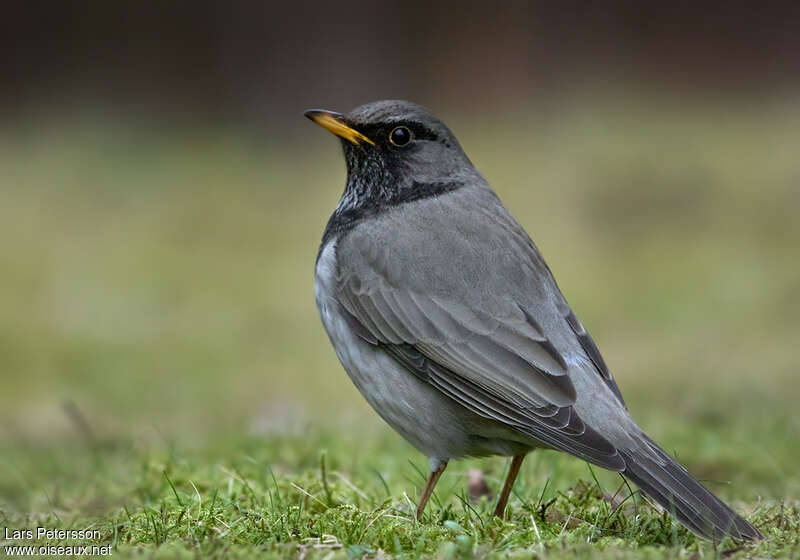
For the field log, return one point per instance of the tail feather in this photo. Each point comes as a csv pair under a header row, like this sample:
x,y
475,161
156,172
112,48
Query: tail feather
x,y
667,482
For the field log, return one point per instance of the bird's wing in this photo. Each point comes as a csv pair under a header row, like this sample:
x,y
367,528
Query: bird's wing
x,y
464,301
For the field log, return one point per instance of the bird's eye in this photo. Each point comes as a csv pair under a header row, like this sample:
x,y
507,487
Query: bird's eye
x,y
400,136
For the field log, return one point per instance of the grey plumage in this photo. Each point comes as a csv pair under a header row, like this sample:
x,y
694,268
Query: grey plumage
x,y
448,320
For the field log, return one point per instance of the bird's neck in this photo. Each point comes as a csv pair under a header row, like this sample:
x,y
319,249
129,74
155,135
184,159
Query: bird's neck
x,y
362,200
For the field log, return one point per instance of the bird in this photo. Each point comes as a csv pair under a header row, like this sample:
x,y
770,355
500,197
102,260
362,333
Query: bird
x,y
449,322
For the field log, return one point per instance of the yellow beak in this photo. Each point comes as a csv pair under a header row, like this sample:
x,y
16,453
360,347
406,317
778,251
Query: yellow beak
x,y
334,123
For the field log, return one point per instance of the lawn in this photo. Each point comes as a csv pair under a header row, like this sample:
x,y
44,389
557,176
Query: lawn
x,y
166,380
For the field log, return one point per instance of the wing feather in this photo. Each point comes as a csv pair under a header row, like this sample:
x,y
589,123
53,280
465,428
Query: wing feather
x,y
480,369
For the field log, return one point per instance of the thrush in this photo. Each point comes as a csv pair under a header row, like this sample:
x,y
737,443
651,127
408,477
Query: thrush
x,y
448,320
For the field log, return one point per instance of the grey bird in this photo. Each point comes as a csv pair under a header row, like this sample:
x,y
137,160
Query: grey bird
x,y
450,323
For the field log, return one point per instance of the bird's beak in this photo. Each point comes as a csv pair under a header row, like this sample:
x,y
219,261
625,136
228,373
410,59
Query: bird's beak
x,y
335,123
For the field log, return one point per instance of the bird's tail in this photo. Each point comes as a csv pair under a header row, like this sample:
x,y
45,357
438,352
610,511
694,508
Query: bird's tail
x,y
667,482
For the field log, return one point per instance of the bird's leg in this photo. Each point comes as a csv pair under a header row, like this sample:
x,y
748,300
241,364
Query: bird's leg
x,y
513,471
437,468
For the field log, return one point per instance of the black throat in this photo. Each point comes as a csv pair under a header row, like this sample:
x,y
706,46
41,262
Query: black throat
x,y
380,178
358,204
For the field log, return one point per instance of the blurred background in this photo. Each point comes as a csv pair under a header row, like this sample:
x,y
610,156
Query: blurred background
x,y
162,199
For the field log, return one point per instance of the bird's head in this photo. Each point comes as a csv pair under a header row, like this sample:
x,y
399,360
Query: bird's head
x,y
394,150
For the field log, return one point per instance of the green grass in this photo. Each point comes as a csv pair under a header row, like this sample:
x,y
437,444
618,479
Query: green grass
x,y
165,378
317,493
